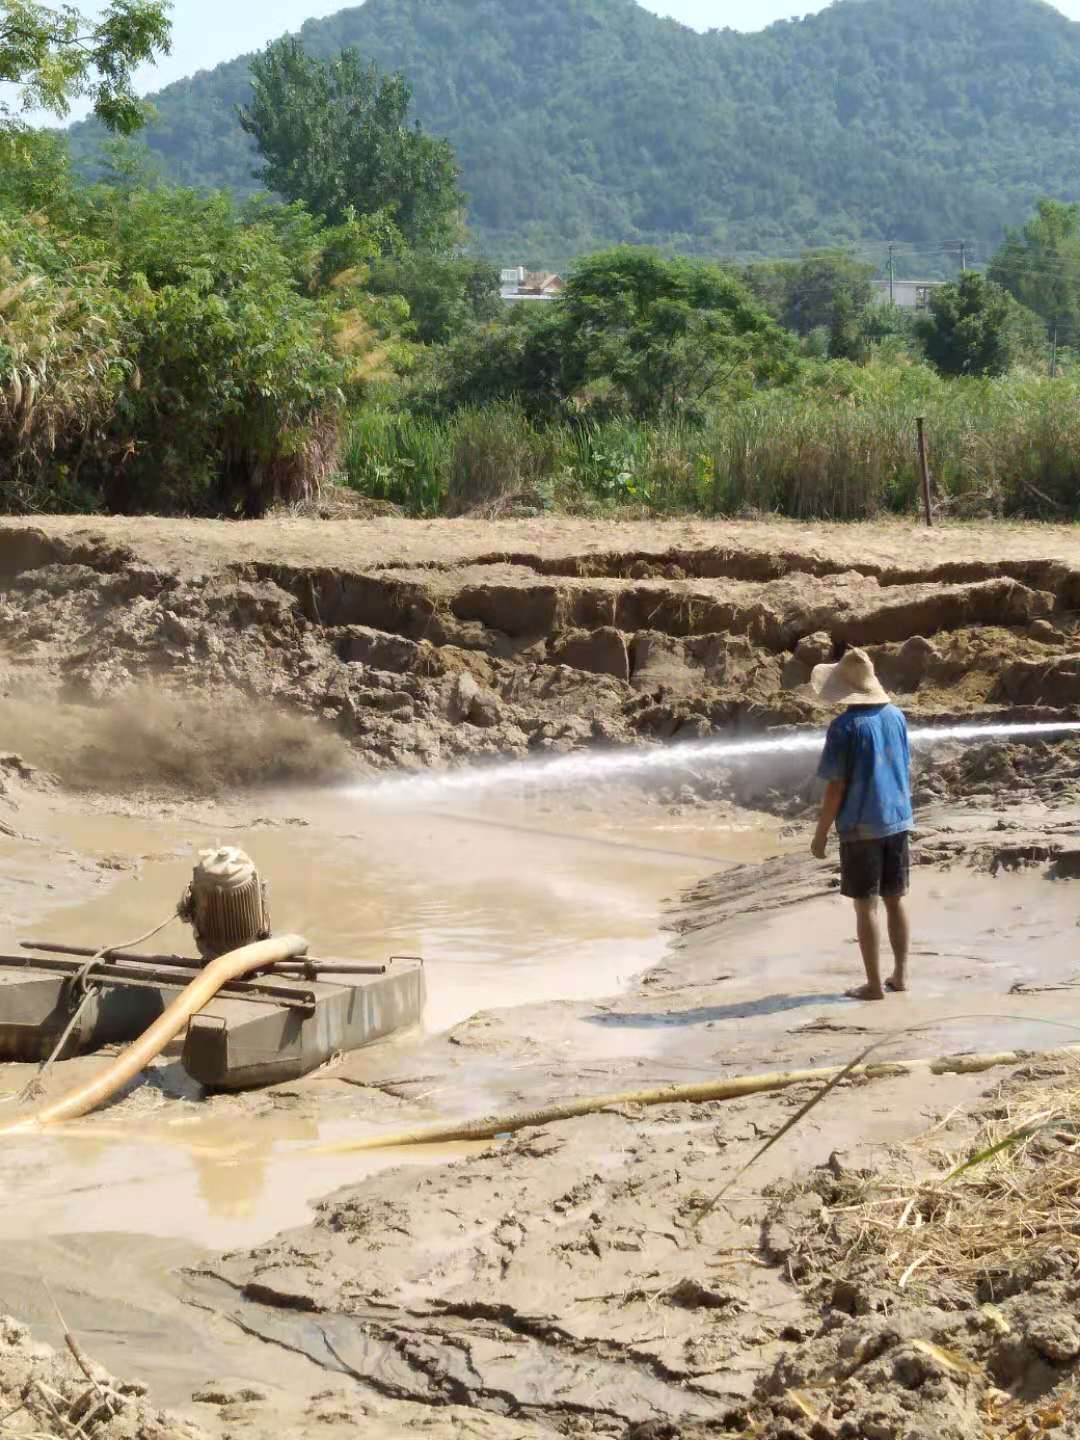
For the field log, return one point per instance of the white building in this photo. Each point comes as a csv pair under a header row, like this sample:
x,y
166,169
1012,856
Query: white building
x,y
905,294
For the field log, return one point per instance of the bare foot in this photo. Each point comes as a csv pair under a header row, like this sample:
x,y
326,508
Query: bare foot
x,y
897,986
865,992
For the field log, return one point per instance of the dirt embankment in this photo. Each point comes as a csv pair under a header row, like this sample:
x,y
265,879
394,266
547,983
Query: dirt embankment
x,y
417,647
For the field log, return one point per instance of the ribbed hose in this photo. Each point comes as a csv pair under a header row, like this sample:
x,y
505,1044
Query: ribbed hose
x,y
91,1094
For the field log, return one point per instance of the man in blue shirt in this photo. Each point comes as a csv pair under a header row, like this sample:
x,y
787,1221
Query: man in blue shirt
x,y
866,765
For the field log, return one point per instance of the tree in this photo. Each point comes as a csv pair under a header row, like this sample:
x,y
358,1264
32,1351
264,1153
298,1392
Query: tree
x,y
966,329
54,54
846,338
815,285
1040,267
664,334
335,136
634,333
445,293
162,349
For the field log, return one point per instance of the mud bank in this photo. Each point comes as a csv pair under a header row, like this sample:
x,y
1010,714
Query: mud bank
x,y
572,1280
420,646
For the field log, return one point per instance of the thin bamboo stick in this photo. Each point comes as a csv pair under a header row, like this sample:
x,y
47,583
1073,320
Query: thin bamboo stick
x,y
733,1089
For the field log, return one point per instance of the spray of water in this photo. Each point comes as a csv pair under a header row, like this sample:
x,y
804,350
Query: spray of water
x,y
593,766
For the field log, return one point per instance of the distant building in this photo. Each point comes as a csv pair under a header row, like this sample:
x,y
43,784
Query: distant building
x,y
519,284
905,294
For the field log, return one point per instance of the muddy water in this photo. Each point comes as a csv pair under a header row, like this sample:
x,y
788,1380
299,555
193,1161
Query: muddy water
x,y
507,904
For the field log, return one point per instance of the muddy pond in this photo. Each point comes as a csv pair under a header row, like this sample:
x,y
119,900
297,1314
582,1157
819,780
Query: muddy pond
x,y
510,904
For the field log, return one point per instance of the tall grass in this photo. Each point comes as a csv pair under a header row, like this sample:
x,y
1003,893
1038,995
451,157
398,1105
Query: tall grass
x,y
839,446
497,456
61,367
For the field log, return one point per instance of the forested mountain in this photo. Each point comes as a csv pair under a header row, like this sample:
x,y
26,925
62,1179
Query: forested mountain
x,y
582,122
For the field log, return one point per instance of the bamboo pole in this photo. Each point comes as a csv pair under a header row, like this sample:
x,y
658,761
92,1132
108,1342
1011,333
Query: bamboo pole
x,y
733,1089
166,1027
924,470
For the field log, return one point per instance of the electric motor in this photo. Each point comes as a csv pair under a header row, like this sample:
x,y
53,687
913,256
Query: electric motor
x,y
226,902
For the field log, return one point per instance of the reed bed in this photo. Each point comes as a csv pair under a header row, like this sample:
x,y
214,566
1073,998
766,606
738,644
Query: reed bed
x,y
838,446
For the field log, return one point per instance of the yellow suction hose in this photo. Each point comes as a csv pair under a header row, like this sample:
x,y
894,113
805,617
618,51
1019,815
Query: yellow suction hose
x,y
133,1060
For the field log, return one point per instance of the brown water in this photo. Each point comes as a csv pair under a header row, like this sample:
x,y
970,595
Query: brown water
x,y
508,906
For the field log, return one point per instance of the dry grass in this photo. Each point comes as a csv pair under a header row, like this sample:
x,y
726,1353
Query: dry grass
x,y
957,1227
1008,1202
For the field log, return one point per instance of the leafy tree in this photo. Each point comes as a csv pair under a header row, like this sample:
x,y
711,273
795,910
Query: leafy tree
x,y
634,332
815,284
163,350
518,357
966,329
335,136
1040,267
665,334
846,338
54,54
445,293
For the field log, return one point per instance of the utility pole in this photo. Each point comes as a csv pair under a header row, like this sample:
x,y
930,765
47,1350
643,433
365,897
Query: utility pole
x,y
892,274
963,257
1053,355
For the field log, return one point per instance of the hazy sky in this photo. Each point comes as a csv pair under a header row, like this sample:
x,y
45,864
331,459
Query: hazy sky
x,y
207,31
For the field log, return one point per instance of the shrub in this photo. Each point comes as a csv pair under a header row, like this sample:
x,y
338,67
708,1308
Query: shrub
x,y
160,351
496,454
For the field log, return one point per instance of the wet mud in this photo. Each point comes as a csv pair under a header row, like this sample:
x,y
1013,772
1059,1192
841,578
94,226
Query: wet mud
x,y
170,686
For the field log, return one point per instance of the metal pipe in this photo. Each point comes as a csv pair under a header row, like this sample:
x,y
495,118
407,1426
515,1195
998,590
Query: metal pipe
x,y
138,975
50,948
320,967
305,967
132,1061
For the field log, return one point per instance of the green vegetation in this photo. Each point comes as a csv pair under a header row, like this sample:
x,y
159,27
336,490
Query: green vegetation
x,y
1040,267
52,55
178,350
163,350
334,137
966,331
580,123
633,333
838,445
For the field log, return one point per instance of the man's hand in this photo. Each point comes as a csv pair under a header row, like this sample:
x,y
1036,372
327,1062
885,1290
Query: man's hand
x,y
830,809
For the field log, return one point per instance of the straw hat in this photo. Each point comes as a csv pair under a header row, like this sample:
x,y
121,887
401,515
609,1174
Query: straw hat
x,y
852,681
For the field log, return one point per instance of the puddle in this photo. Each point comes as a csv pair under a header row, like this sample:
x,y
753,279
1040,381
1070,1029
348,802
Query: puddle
x,y
507,906
222,1185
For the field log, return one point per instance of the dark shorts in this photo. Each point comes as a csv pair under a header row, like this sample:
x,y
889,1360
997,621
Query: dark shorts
x,y
869,868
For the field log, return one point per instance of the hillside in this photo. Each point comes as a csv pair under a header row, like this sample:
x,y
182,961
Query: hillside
x,y
581,122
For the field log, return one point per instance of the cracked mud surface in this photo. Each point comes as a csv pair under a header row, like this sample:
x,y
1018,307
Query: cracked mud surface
x,y
565,1281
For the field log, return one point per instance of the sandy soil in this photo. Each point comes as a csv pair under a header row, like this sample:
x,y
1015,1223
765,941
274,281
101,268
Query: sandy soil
x,y
199,546
558,1282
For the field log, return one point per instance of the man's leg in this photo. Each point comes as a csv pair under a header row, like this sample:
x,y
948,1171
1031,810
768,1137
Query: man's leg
x,y
866,922
895,880
860,880
899,937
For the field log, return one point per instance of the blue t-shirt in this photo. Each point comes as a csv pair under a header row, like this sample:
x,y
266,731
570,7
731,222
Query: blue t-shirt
x,y
867,748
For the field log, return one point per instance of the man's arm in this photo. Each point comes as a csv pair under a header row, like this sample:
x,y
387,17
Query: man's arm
x,y
830,808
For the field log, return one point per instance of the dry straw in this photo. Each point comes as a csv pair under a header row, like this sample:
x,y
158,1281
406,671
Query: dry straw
x,y
1008,1204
